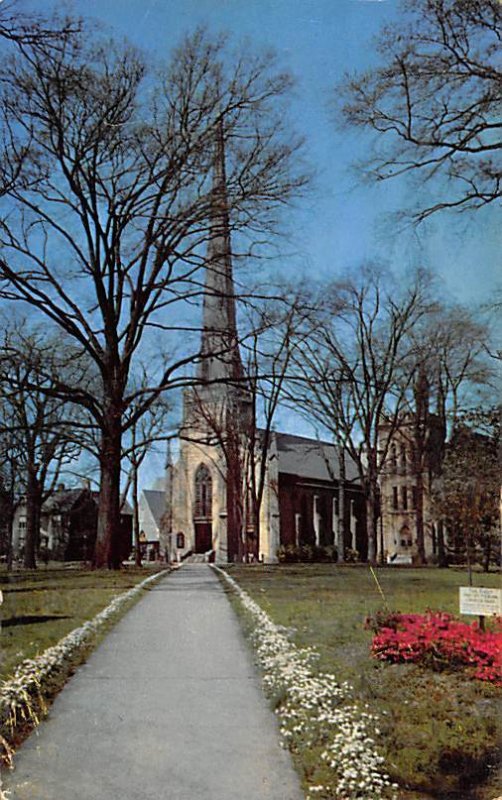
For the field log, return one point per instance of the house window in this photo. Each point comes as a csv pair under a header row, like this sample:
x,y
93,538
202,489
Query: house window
x,y
180,541
404,498
203,492
21,527
395,501
393,456
405,536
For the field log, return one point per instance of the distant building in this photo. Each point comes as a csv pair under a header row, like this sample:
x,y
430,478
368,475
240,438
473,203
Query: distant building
x,y
68,526
405,489
152,505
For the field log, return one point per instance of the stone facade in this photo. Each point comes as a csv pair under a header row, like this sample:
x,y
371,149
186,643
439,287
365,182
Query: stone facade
x,y
405,487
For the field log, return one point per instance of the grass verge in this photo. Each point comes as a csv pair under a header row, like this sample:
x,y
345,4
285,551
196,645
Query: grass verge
x,y
440,731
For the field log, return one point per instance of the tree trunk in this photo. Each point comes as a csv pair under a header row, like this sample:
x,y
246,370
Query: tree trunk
x,y
371,507
10,531
107,549
419,512
234,505
469,559
32,517
234,484
487,552
135,517
371,529
340,534
442,560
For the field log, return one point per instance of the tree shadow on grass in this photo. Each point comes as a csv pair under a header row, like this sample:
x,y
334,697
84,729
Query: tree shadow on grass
x,y
31,619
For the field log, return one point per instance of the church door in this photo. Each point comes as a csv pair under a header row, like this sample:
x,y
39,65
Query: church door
x,y
203,537
203,510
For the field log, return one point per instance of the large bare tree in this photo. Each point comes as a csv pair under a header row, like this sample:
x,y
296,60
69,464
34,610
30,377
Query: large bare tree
x,y
452,374
104,226
435,101
353,371
39,430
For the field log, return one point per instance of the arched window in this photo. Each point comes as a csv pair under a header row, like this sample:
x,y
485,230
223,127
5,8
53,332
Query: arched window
x,y
203,492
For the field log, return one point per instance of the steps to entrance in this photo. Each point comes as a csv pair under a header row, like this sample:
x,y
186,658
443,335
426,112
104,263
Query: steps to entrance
x,y
197,558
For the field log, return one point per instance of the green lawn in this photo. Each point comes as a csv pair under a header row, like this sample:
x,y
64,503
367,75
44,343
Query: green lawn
x,y
42,606
439,729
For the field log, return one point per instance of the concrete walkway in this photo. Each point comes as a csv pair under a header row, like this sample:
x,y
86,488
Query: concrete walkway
x,y
168,708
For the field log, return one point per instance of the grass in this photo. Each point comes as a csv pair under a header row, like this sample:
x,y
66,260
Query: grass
x,y
42,606
439,730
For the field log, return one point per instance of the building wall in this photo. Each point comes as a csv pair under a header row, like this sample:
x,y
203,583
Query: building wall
x,y
192,455
399,498
309,514
270,510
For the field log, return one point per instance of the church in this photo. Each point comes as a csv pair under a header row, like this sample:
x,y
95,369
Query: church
x,y
237,492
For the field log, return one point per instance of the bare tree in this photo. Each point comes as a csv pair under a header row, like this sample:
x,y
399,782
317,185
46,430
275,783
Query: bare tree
x,y
451,367
467,495
435,101
39,428
279,328
352,373
109,219
148,431
11,481
32,29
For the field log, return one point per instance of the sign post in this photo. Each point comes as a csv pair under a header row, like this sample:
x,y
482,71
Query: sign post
x,y
480,602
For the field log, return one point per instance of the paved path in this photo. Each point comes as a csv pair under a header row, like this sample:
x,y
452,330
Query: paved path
x,y
168,708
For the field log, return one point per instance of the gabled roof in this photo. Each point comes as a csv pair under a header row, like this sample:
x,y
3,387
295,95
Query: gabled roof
x,y
156,503
125,506
311,459
62,501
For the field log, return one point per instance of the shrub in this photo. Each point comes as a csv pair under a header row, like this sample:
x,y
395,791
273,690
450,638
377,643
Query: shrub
x,y
306,553
439,641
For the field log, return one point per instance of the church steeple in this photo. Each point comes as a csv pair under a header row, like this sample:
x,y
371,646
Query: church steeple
x,y
219,348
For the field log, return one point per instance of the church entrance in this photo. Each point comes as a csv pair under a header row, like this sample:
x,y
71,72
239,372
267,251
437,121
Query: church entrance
x,y
203,536
203,510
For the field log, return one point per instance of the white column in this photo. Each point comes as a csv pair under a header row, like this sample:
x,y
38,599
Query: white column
x,y
316,520
353,526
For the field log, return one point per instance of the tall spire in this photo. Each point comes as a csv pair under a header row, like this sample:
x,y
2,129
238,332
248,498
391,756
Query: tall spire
x,y
219,348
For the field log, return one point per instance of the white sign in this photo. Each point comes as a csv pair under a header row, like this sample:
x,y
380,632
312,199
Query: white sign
x,y
480,601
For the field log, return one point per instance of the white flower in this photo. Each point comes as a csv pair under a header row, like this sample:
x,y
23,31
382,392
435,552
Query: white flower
x,y
316,711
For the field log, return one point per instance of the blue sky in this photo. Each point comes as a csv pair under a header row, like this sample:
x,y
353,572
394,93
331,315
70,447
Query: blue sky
x,y
342,223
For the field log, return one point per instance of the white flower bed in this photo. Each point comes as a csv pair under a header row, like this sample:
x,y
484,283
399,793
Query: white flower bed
x,y
317,712
30,676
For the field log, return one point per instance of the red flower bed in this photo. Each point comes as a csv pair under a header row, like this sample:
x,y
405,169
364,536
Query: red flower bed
x,y
439,641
